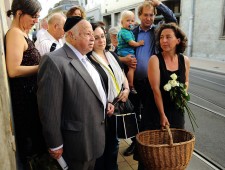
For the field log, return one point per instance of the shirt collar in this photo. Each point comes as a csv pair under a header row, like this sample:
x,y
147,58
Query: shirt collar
x,y
79,55
146,30
50,37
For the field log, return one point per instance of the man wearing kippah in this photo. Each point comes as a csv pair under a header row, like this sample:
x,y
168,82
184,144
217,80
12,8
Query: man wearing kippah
x,y
72,100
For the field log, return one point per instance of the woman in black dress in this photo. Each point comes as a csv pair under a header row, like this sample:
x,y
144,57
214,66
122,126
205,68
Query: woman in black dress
x,y
22,61
161,110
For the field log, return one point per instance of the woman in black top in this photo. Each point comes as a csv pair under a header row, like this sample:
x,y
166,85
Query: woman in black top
x,y
161,110
22,60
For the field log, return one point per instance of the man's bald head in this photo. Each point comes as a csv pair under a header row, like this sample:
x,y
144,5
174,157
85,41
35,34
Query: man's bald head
x,y
56,18
55,25
44,23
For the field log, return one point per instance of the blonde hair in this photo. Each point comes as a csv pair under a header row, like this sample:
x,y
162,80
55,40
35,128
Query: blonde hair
x,y
125,14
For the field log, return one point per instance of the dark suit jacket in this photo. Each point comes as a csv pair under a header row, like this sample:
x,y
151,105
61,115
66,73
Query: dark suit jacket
x,y
71,110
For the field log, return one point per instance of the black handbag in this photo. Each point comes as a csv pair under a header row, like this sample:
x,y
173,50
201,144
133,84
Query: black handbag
x,y
126,121
122,107
126,125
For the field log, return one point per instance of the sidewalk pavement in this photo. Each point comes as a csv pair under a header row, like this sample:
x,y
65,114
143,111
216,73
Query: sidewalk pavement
x,y
127,162
208,64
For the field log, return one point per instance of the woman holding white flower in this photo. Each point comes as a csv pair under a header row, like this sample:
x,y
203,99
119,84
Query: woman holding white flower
x,y
167,70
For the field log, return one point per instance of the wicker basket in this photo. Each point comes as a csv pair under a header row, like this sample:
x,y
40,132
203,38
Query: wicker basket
x,y
165,149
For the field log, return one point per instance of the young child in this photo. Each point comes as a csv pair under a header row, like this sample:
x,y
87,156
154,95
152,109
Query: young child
x,y
127,43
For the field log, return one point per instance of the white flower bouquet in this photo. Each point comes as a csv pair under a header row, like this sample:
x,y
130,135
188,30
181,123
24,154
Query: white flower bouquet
x,y
178,94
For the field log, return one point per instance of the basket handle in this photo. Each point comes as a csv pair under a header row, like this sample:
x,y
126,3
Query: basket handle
x,y
170,135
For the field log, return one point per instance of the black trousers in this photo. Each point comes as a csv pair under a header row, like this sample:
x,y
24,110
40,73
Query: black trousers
x,y
108,161
139,99
80,165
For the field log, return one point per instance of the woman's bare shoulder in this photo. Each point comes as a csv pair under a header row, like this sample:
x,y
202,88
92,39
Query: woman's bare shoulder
x,y
186,58
15,33
153,58
16,36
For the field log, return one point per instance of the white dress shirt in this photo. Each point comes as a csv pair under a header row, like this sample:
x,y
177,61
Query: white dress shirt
x,y
93,73
45,41
40,32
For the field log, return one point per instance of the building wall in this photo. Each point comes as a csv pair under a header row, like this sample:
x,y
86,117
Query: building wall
x,y
94,14
7,138
116,14
63,6
204,39
207,27
107,6
111,5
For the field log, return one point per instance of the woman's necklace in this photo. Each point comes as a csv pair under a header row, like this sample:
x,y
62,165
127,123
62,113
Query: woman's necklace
x,y
171,62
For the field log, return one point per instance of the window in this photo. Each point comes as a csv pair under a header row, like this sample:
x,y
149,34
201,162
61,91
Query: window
x,y
174,5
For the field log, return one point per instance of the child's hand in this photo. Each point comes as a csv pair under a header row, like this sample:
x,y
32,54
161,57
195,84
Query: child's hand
x,y
141,42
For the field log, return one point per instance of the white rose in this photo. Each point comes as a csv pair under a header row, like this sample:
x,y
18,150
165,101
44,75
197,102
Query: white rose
x,y
173,83
173,76
167,87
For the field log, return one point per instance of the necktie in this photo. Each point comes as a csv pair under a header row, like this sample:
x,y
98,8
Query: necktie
x,y
84,60
53,47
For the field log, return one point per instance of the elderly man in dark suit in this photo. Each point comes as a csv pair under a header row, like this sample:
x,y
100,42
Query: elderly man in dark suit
x,y
72,101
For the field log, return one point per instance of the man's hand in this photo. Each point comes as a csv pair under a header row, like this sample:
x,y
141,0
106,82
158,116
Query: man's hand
x,y
56,154
129,61
155,3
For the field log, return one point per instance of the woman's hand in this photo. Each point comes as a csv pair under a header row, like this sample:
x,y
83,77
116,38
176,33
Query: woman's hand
x,y
164,121
124,95
110,109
